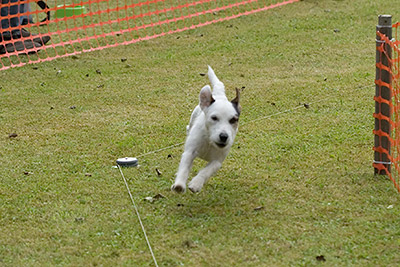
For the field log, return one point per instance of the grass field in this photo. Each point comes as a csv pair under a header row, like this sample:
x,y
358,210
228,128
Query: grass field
x,y
297,188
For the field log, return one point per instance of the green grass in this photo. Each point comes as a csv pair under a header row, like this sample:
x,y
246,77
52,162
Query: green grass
x,y
310,170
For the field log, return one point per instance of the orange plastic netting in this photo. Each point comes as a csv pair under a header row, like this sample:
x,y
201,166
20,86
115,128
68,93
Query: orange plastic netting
x,y
47,30
389,161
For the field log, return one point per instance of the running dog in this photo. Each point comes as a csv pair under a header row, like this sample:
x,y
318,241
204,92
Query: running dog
x,y
210,134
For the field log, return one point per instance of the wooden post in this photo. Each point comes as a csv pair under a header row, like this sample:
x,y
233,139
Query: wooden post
x,y
381,125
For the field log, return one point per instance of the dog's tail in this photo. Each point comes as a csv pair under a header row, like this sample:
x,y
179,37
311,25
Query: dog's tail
x,y
217,85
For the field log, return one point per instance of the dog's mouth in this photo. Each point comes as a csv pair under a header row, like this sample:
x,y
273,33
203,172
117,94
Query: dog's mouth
x,y
221,145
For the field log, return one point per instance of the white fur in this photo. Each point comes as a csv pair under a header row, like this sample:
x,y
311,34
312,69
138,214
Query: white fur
x,y
210,134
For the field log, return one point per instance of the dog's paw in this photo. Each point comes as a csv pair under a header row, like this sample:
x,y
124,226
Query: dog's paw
x,y
178,188
195,187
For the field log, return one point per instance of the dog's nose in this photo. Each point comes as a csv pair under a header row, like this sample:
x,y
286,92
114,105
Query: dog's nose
x,y
223,137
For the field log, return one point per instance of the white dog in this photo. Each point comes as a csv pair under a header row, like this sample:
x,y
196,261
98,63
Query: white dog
x,y
210,134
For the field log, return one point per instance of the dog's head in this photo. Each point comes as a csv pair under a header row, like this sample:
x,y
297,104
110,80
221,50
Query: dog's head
x,y
222,117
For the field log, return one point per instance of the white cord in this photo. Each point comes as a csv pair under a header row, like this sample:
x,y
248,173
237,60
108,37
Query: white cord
x,y
159,150
137,213
241,124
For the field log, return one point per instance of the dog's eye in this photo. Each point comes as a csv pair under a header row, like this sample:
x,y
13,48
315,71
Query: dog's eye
x,y
214,118
233,120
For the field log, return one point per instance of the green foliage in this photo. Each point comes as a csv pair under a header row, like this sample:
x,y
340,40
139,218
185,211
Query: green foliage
x,y
297,189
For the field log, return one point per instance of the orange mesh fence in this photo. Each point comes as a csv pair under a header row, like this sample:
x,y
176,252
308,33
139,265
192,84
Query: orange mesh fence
x,y
36,31
389,161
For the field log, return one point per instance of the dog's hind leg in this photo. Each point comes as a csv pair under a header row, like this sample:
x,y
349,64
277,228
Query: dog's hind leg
x,y
183,172
202,177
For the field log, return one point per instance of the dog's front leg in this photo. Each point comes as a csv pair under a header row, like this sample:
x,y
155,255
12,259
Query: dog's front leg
x,y
202,177
183,171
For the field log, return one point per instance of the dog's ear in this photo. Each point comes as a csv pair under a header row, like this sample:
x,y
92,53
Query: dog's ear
x,y
206,98
235,101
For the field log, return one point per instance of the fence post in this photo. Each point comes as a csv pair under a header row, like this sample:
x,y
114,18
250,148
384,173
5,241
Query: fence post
x,y
382,92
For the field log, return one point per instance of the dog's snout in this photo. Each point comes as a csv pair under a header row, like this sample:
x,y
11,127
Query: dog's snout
x,y
223,137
